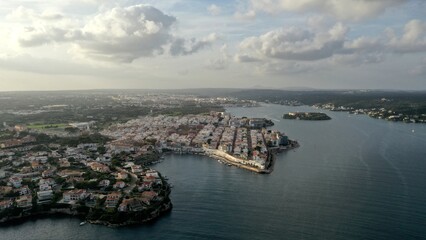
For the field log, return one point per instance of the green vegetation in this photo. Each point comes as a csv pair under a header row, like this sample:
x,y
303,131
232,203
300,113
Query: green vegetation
x,y
313,116
47,126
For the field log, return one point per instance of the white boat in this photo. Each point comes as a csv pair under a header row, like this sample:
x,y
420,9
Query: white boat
x,y
82,223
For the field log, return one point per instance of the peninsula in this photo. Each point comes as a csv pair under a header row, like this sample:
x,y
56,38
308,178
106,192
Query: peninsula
x,y
243,142
103,176
313,116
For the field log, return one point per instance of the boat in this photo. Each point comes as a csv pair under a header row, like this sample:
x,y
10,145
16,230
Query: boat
x,y
82,223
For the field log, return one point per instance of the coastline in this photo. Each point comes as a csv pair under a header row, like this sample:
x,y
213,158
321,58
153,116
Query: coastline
x,y
69,212
234,161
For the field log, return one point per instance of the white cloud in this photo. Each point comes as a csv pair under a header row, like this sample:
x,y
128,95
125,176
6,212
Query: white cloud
x,y
241,58
222,61
214,10
296,44
285,68
120,34
125,34
330,46
341,9
245,16
412,40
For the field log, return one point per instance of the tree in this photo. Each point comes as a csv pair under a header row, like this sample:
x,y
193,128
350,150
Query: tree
x,y
101,149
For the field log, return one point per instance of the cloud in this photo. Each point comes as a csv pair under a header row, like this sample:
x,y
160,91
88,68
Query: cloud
x,y
357,59
24,14
296,44
120,34
354,10
245,16
214,10
222,61
277,68
242,58
181,46
331,46
412,40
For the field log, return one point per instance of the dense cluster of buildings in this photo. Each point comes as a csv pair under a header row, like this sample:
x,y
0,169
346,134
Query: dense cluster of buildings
x,y
245,139
380,113
75,176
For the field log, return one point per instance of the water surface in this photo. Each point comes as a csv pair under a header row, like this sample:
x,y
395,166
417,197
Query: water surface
x,y
353,177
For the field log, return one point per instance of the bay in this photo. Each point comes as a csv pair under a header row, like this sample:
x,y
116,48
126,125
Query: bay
x,y
353,177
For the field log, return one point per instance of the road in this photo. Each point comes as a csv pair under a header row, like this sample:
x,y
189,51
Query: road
x,y
132,184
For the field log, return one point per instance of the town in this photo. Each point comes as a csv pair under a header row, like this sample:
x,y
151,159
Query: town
x,y
85,180
244,142
109,181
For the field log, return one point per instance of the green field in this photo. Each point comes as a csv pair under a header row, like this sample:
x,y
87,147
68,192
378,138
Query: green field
x,y
47,126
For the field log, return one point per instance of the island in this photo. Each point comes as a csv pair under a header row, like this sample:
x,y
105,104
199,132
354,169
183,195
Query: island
x,y
312,116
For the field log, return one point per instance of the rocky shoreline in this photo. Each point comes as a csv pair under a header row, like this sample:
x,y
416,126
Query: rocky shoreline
x,y
155,214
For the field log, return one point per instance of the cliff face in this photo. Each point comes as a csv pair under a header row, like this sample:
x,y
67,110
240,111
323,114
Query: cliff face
x,y
118,219
108,217
135,218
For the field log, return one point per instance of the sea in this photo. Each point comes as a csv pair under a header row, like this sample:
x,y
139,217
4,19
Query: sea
x,y
353,177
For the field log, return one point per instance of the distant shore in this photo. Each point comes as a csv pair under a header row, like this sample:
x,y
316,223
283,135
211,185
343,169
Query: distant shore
x,y
309,116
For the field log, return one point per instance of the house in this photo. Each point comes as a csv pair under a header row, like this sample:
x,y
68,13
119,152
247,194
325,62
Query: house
x,y
44,196
64,163
112,199
120,185
150,195
145,186
48,173
48,181
74,195
24,201
120,146
16,182
5,204
136,169
5,190
70,173
149,179
130,205
20,128
74,180
99,167
122,175
152,173
35,165
104,183
45,187
24,190
26,169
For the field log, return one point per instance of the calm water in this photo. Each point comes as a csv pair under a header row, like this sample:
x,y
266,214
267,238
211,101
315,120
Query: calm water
x,y
352,178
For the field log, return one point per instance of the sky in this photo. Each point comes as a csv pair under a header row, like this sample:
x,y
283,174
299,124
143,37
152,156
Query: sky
x,y
174,44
